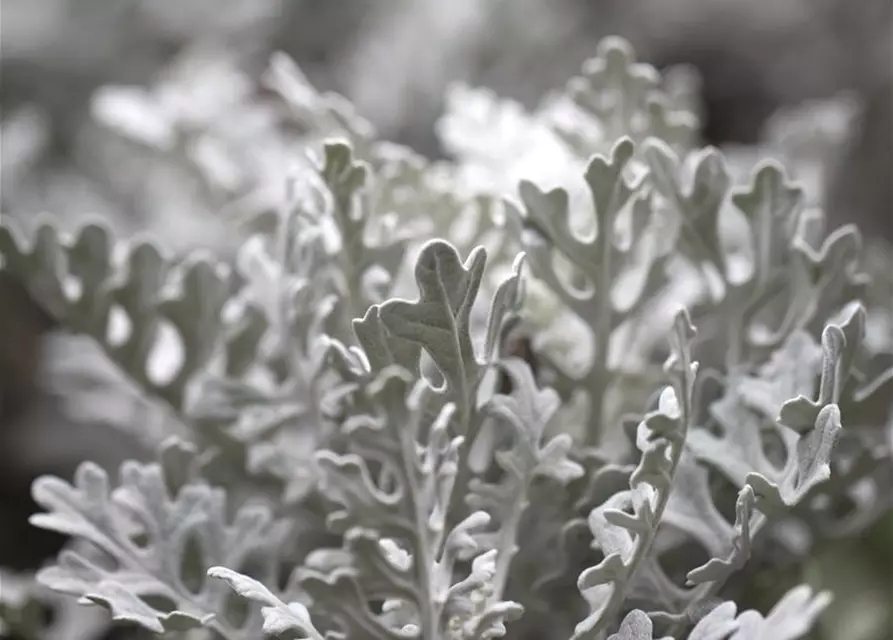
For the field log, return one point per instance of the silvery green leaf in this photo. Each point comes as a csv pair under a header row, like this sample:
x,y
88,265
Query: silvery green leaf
x,y
625,98
25,603
598,265
625,526
352,199
789,373
264,410
344,176
547,214
125,605
855,494
159,546
406,183
179,463
505,301
771,204
691,509
380,348
736,449
473,609
278,616
325,114
807,467
497,143
491,622
808,429
406,500
823,277
129,305
720,568
524,414
800,412
158,320
696,205
772,207
359,415
790,619
555,460
818,425
528,409
719,624
246,411
242,424
338,596
439,320
841,346
385,572
346,477
852,324
635,626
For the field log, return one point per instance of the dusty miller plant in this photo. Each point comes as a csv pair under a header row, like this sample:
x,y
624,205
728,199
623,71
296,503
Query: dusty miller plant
x,y
617,380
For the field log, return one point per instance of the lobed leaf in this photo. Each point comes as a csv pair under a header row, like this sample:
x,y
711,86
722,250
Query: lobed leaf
x,y
159,544
625,526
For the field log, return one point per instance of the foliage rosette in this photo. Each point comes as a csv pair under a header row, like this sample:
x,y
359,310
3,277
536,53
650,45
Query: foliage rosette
x,y
613,351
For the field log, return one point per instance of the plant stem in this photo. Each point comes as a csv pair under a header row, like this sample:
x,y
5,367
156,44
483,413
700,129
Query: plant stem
x,y
710,589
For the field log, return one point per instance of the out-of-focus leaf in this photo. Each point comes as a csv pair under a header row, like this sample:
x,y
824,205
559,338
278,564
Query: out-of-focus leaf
x,y
160,545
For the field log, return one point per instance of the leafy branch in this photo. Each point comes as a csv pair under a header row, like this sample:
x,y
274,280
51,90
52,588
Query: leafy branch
x,y
626,538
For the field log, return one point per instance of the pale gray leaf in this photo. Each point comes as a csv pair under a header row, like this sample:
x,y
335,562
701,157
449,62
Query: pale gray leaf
x,y
719,624
279,617
439,320
790,619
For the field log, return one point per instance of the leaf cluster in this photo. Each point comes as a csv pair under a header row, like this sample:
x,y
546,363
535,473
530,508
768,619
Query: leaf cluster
x,y
521,429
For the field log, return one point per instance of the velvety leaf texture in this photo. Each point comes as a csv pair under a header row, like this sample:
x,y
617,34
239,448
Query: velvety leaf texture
x,y
583,380
146,533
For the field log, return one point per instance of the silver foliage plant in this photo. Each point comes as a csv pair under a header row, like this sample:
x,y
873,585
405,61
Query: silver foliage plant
x,y
363,450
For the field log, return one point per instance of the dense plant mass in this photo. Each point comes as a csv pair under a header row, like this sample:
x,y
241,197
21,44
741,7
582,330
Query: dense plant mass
x,y
618,381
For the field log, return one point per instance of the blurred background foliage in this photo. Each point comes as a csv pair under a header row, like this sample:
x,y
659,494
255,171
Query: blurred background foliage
x,y
775,76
